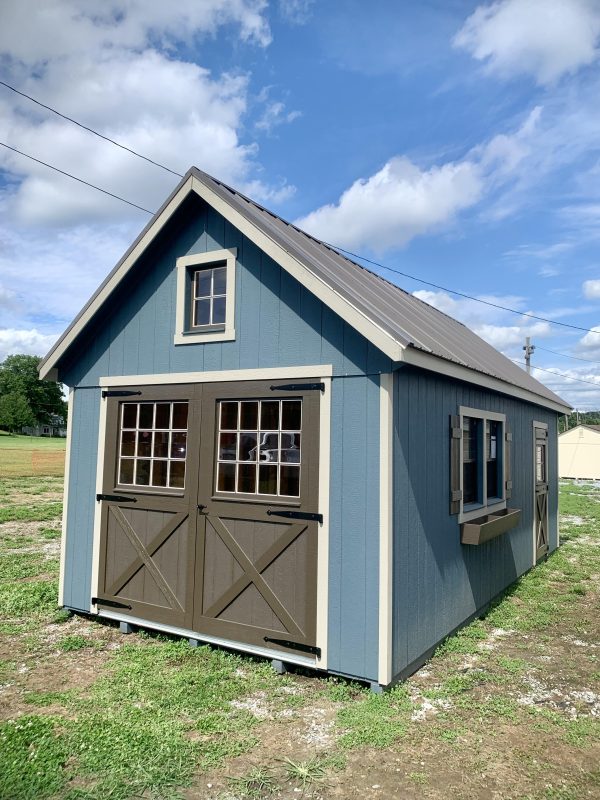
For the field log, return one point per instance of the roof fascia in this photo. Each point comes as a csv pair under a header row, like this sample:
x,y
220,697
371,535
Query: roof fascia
x,y
49,363
417,358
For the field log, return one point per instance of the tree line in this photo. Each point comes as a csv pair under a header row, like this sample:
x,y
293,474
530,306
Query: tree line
x,y
25,400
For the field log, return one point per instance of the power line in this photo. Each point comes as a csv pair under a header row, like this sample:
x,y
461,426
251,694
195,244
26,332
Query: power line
x,y
332,246
90,130
459,294
567,355
558,374
79,180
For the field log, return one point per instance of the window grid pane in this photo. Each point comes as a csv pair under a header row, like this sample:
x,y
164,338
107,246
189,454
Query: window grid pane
x,y
471,459
261,461
153,444
209,296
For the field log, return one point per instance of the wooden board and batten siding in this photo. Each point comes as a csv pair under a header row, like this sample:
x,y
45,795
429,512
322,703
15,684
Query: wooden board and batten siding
x,y
278,323
439,583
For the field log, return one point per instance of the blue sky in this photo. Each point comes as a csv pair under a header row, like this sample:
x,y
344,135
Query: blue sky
x,y
458,142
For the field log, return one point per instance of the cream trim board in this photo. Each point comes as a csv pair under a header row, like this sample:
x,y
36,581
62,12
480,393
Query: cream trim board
x,y
98,508
386,449
452,370
323,533
486,507
183,302
260,374
544,426
65,514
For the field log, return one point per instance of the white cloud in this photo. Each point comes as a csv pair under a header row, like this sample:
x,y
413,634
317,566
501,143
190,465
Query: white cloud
x,y
590,343
396,204
115,69
29,342
402,201
296,12
542,38
274,115
591,289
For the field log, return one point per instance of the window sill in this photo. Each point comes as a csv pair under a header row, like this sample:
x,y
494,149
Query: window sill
x,y
200,336
489,526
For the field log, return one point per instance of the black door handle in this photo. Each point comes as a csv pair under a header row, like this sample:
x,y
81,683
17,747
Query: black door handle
x,y
201,507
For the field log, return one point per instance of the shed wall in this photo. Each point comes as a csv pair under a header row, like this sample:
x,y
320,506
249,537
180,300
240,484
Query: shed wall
x,y
439,583
579,454
278,323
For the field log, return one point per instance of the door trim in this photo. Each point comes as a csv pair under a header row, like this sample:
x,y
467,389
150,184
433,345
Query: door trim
x,y
386,494
324,373
63,538
535,425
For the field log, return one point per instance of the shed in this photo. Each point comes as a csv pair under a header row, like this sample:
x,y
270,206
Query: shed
x,y
579,453
275,450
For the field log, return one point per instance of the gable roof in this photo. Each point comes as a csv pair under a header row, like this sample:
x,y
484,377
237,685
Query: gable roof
x,y
593,428
405,328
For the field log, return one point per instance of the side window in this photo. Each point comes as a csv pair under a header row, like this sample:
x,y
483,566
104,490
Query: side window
x,y
205,309
478,462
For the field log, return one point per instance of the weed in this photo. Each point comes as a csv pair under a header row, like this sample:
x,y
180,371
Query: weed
x,y
74,642
377,720
420,778
304,772
458,684
341,691
63,615
258,782
45,698
50,533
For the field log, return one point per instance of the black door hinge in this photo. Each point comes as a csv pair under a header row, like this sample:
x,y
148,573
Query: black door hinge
x,y
117,498
305,648
299,387
296,515
118,393
99,601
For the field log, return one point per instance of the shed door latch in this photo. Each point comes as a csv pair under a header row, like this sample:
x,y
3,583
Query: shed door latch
x,y
297,515
299,387
116,498
304,648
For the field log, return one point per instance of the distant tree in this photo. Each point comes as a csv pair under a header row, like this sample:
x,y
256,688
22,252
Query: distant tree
x,y
15,412
19,378
578,418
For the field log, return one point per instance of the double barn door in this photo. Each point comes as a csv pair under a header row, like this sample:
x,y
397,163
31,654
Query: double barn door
x,y
209,516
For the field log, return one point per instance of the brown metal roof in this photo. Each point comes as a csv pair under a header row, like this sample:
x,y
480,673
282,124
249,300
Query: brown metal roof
x,y
410,321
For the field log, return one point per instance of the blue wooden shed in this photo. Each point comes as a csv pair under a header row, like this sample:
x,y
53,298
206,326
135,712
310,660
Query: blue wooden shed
x,y
274,449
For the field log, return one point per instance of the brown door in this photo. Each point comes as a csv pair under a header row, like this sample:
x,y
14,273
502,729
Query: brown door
x,y
541,492
149,513
256,564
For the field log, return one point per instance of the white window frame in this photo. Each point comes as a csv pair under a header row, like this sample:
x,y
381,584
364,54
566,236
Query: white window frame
x,y
485,507
186,266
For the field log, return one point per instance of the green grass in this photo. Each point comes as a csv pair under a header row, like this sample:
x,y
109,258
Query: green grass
x,y
31,456
375,720
41,512
16,566
304,773
257,783
14,441
33,756
34,598
74,642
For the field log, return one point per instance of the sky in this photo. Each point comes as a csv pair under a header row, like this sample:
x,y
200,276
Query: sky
x,y
455,142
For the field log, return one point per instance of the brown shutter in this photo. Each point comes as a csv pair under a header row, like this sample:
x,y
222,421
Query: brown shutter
x,y
455,491
508,463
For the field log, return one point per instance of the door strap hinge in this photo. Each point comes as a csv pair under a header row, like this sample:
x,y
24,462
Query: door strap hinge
x,y
99,601
299,387
117,498
296,515
305,648
118,393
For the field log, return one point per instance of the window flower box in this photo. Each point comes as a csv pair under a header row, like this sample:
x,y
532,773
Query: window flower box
x,y
487,527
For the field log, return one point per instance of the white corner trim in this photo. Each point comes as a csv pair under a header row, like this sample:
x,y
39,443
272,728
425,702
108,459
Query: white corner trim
x,y
323,532
259,374
63,540
433,363
98,509
183,302
386,494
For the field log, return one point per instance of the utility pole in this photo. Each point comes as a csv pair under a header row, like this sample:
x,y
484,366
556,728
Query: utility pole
x,y
529,348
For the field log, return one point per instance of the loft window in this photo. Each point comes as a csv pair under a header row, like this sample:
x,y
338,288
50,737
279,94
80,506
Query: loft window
x,y
205,309
482,462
